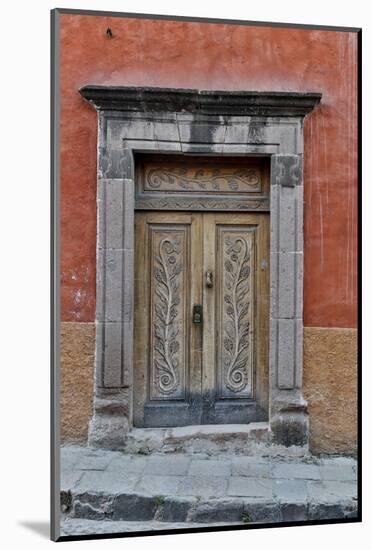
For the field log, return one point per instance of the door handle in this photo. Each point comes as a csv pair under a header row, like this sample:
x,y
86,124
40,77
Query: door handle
x,y
209,279
197,314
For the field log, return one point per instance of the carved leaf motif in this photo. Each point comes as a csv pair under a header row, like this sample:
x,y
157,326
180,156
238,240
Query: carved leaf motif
x,y
237,326
167,291
190,180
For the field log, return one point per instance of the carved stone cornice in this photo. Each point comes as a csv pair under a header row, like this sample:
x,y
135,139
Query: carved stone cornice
x,y
249,103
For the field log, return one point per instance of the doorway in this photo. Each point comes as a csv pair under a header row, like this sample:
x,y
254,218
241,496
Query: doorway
x,y
201,318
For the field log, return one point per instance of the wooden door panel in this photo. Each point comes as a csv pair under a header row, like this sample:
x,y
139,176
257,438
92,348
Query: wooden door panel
x,y
167,344
169,304
217,371
236,309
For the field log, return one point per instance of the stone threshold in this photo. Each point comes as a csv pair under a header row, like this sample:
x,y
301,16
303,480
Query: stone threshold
x,y
248,439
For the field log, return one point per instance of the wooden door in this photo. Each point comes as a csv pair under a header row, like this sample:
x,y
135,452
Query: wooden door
x,y
201,318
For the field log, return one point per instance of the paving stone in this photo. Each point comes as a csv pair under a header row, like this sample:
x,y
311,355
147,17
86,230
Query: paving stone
x,y
158,485
106,482
127,464
167,465
327,491
94,462
203,486
289,490
71,526
249,466
69,479
330,472
294,470
205,467
250,487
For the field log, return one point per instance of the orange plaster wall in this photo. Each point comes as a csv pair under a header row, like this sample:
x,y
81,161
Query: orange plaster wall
x,y
217,56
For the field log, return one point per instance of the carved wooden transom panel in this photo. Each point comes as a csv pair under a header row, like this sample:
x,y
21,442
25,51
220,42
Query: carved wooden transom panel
x,y
202,183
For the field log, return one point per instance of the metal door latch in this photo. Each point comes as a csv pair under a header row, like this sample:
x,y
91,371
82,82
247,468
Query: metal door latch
x,y
197,314
209,279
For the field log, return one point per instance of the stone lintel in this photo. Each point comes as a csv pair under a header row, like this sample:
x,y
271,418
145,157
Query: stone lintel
x,y
251,103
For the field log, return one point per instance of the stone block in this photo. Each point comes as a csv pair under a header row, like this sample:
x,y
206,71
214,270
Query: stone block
x,y
288,490
94,462
290,428
324,511
293,511
286,285
158,485
166,131
69,478
203,486
250,487
175,509
134,507
286,170
297,471
335,472
218,510
113,283
128,214
287,219
250,467
167,465
105,483
330,491
286,353
298,353
261,512
127,464
204,467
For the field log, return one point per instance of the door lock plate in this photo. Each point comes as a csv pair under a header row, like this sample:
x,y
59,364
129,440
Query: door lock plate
x,y
197,314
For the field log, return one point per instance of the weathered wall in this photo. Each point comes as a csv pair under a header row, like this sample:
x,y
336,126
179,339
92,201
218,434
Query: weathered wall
x,y
77,376
233,57
330,358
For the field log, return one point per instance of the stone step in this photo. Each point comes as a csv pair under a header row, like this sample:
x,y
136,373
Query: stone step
x,y
103,485
131,506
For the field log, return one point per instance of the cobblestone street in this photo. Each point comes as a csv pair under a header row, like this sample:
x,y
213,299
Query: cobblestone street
x,y
111,491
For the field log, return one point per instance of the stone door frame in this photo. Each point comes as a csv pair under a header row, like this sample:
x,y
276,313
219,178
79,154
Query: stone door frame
x,y
156,120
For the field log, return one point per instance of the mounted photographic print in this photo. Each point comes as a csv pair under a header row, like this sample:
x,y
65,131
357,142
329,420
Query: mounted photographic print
x,y
205,193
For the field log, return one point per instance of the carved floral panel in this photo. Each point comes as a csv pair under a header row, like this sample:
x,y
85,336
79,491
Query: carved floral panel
x,y
201,179
168,352
235,311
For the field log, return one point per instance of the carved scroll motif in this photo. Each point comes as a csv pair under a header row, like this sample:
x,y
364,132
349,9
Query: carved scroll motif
x,y
183,203
166,299
204,179
236,297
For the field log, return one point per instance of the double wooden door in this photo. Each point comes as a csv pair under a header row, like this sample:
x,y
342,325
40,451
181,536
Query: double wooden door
x,y
201,318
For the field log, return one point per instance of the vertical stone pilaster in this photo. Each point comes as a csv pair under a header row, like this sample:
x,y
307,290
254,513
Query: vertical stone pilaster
x,y
288,416
114,315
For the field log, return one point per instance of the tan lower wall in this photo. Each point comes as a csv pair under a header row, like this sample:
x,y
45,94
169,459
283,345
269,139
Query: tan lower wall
x,y
77,375
330,386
